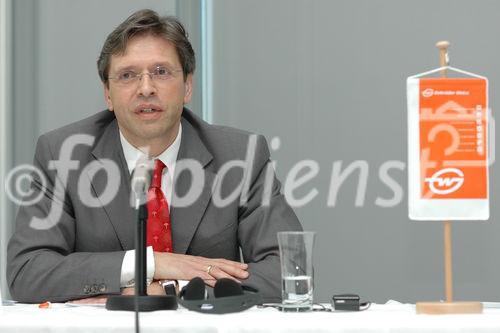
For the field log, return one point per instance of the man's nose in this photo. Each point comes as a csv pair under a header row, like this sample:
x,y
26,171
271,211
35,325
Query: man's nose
x,y
146,85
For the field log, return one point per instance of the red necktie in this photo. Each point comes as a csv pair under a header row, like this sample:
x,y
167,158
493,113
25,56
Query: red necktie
x,y
159,230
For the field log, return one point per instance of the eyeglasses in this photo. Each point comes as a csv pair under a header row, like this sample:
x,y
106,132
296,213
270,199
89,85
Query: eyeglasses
x,y
160,74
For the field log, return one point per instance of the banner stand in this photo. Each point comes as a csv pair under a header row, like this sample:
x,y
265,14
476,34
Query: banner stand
x,y
447,307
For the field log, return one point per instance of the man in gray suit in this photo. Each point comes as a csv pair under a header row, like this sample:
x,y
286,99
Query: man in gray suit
x,y
77,240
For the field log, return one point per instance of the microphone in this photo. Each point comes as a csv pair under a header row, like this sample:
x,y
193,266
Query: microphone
x,y
141,180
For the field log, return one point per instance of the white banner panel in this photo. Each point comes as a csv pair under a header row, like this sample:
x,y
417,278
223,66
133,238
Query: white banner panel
x,y
448,148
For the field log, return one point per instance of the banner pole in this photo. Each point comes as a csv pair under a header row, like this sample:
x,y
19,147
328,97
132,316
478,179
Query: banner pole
x,y
444,60
448,270
449,306
448,266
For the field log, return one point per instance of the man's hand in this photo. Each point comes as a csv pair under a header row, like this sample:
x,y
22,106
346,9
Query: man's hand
x,y
173,266
153,289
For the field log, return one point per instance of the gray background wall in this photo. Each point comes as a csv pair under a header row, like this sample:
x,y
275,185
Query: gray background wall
x,y
328,79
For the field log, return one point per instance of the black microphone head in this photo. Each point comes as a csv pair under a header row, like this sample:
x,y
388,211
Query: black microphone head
x,y
227,287
194,290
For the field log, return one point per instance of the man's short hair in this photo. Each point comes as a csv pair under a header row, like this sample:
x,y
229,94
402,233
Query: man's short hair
x,y
145,22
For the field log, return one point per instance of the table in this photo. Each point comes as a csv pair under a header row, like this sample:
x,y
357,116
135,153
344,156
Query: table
x,y
389,317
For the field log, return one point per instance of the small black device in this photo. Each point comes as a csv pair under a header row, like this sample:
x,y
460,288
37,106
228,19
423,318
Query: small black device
x,y
229,297
170,286
348,302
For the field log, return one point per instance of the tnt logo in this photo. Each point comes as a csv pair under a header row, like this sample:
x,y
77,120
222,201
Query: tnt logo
x,y
446,181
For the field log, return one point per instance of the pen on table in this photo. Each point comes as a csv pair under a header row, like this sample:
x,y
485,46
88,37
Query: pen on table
x,y
44,305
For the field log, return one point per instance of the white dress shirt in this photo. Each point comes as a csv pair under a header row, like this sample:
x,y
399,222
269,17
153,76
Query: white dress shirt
x,y
168,157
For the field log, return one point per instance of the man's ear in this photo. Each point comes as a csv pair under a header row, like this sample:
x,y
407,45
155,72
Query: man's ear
x,y
107,96
188,88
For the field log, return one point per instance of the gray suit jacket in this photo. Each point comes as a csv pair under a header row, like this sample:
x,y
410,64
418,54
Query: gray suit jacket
x,y
81,254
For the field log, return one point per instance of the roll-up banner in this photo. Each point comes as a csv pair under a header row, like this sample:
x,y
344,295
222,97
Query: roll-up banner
x,y
448,147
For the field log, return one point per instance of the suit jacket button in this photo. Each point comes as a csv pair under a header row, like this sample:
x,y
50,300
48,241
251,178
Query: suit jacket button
x,y
102,287
94,288
86,289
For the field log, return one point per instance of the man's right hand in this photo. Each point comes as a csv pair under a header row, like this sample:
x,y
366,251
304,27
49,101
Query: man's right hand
x,y
174,266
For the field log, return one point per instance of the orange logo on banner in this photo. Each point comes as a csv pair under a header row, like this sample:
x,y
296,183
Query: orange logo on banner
x,y
453,133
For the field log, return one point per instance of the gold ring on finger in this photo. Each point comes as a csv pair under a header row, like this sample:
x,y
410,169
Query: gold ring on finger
x,y
209,268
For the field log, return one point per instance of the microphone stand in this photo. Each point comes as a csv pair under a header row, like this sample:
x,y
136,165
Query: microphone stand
x,y
141,301
140,253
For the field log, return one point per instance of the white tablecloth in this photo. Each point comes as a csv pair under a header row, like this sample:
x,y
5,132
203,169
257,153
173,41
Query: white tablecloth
x,y
391,317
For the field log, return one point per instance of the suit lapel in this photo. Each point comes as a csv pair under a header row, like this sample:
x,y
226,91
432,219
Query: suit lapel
x,y
185,220
120,212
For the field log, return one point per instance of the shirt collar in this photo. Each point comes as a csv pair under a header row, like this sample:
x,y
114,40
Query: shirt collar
x,y
168,156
